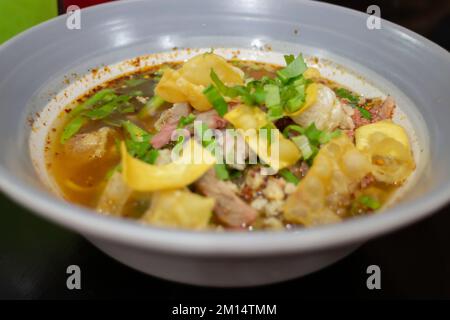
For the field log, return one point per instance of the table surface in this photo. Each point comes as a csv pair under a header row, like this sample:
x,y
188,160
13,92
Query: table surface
x,y
34,255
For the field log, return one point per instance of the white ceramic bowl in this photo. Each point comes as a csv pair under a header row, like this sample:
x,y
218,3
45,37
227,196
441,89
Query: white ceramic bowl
x,y
35,65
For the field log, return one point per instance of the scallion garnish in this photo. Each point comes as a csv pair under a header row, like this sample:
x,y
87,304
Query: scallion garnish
x,y
289,176
184,121
138,143
369,202
217,101
221,171
151,106
353,101
294,69
72,128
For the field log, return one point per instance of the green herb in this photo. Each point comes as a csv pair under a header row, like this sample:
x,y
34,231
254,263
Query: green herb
x,y
184,121
275,113
214,97
235,174
289,58
293,127
289,176
346,94
221,171
325,137
134,82
102,95
102,112
138,144
272,95
313,134
151,106
136,93
72,128
126,108
226,91
354,101
245,92
136,133
294,69
303,143
365,113
369,202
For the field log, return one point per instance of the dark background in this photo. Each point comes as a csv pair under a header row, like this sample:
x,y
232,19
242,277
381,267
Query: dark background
x,y
415,262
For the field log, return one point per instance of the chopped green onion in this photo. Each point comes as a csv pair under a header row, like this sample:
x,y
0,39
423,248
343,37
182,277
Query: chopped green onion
x,y
325,137
102,112
304,145
136,93
151,156
72,128
289,58
293,69
259,95
312,133
296,102
354,101
275,112
369,202
136,133
365,113
106,94
134,82
289,176
139,143
293,127
226,91
184,121
346,94
221,171
151,106
272,95
214,97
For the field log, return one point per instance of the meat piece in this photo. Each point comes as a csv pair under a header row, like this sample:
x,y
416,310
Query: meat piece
x,y
229,208
89,146
114,196
387,109
212,119
164,136
367,181
282,123
378,112
300,170
168,122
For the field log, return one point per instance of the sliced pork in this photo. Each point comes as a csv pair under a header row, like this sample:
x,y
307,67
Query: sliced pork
x,y
229,209
168,122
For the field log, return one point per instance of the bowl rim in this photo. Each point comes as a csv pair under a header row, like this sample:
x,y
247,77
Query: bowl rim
x,y
213,243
